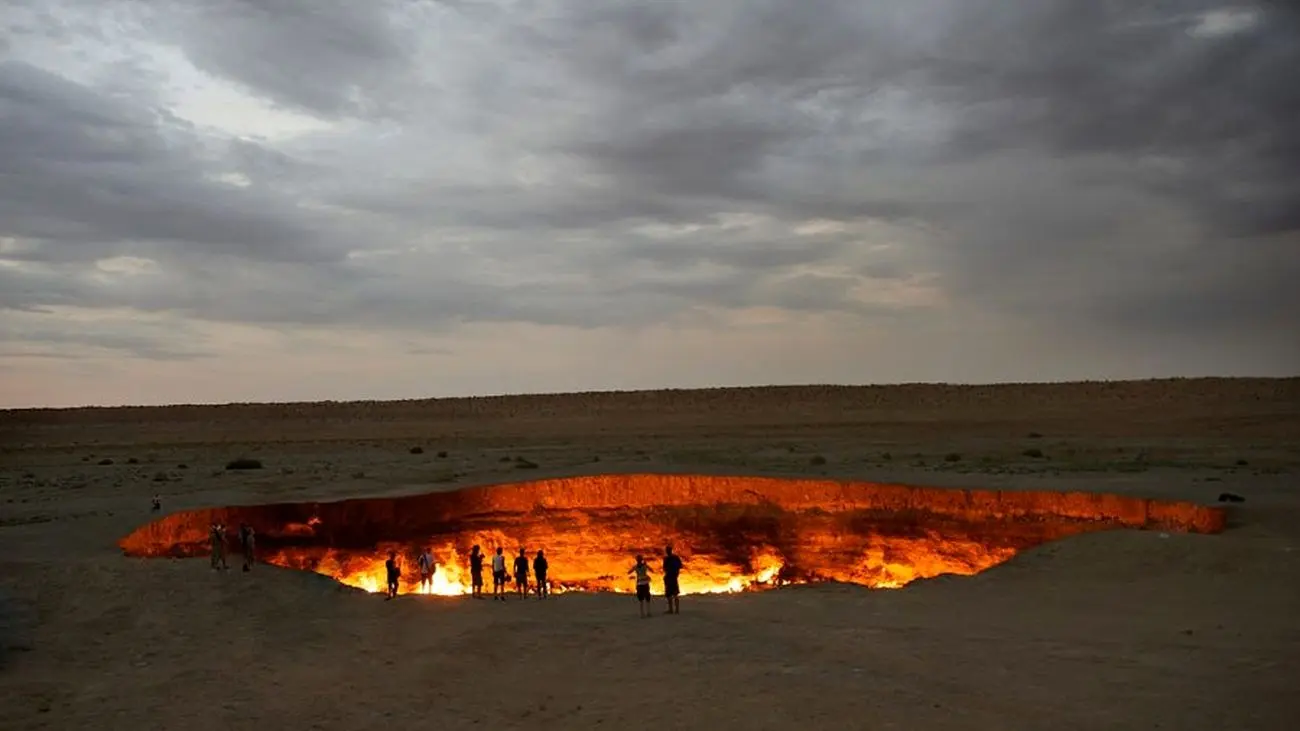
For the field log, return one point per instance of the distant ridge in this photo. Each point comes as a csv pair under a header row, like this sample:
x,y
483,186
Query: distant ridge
x,y
1288,386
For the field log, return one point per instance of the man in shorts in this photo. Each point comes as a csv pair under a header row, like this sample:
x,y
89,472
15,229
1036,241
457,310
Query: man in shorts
x,y
672,569
476,572
521,574
642,572
499,575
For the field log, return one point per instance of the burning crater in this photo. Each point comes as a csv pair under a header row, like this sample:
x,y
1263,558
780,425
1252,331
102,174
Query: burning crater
x,y
734,533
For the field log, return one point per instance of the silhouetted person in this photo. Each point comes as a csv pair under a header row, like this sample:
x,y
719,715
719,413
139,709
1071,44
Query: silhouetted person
x,y
156,505
428,567
540,567
476,572
499,575
394,573
672,569
642,571
521,573
217,535
247,544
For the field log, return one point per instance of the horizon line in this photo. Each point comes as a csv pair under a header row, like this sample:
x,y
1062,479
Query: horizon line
x,y
628,391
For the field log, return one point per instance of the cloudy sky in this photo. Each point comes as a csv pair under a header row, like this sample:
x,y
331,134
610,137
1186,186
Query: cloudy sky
x,y
230,200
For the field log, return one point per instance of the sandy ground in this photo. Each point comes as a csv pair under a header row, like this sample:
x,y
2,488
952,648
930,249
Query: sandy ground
x,y
1119,630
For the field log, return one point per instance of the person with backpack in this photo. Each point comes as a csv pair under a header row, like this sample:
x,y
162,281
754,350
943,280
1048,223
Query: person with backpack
x,y
642,571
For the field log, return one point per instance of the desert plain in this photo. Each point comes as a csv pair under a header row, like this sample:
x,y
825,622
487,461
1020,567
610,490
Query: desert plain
x,y
1110,630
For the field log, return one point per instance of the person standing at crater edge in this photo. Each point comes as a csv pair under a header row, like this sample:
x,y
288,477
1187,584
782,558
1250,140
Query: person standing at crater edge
x,y
427,568
642,571
218,538
521,573
499,575
672,569
540,567
394,572
476,572
246,542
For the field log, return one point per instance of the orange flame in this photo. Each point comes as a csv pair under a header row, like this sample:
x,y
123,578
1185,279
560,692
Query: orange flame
x,y
734,533
883,563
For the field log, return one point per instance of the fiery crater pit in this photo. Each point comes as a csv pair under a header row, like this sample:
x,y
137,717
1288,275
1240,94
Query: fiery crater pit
x,y
734,533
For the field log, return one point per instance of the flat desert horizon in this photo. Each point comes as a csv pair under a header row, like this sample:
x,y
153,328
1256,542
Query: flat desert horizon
x,y
1112,629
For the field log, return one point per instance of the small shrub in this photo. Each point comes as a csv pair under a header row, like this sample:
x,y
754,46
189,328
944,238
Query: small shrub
x,y
952,457
442,455
1242,463
1035,435
132,460
1033,453
182,466
523,464
505,459
358,475
817,459
161,477
595,458
106,461
417,450
244,463
887,456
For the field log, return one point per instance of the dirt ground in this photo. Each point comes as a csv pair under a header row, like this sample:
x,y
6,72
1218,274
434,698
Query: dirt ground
x,y
1121,630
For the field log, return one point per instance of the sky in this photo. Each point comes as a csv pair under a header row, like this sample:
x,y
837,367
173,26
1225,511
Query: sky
x,y
283,200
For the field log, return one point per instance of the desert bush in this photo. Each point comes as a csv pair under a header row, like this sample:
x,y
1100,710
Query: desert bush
x,y
417,450
442,455
182,466
1034,453
523,464
1035,435
952,457
817,459
887,457
1242,463
244,463
132,460
106,461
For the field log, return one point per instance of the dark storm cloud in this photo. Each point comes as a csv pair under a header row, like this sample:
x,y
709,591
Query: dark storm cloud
x,y
1084,79
86,175
1083,83
1103,163
327,57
